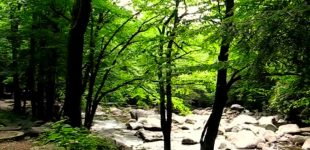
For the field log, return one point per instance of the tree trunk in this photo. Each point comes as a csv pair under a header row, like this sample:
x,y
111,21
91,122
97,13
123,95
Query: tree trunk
x,y
15,43
50,87
40,98
91,76
80,18
221,95
31,71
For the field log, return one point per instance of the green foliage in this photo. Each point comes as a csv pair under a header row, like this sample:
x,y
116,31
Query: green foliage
x,y
291,95
8,81
70,138
180,107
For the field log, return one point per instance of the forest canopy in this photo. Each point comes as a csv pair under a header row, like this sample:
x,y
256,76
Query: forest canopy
x,y
174,55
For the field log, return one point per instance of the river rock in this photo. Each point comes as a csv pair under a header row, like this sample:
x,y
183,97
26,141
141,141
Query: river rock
x,y
134,125
149,136
244,139
237,107
137,113
270,136
306,145
298,139
115,111
35,131
151,124
244,119
288,128
266,120
178,119
190,121
305,129
189,141
271,127
186,127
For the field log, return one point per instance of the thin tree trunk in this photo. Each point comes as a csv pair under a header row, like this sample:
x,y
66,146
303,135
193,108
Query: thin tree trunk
x,y
31,71
15,43
50,88
80,18
221,95
91,76
40,98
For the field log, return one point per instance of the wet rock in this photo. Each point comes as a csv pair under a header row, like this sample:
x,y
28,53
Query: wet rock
x,y
288,128
189,141
306,145
149,136
237,107
244,139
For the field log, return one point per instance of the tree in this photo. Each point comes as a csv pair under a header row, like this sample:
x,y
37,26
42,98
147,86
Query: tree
x,y
80,18
15,44
221,93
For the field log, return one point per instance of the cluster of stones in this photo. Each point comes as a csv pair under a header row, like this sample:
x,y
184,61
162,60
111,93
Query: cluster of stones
x,y
239,129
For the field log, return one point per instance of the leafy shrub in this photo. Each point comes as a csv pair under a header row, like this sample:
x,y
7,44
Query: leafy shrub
x,y
70,138
180,107
291,97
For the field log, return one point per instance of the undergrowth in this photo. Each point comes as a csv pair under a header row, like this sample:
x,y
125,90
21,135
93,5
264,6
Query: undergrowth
x,y
63,135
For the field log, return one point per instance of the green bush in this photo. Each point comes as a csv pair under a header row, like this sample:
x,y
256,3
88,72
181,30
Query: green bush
x,y
180,107
64,135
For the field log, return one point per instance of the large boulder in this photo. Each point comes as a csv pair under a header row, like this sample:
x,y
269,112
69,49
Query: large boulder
x,y
306,145
288,128
151,124
244,139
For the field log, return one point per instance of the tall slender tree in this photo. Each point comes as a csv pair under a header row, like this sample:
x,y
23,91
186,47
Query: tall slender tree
x,y
80,19
15,43
221,93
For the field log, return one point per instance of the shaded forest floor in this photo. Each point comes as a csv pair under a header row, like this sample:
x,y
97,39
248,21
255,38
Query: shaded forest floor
x,y
11,123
